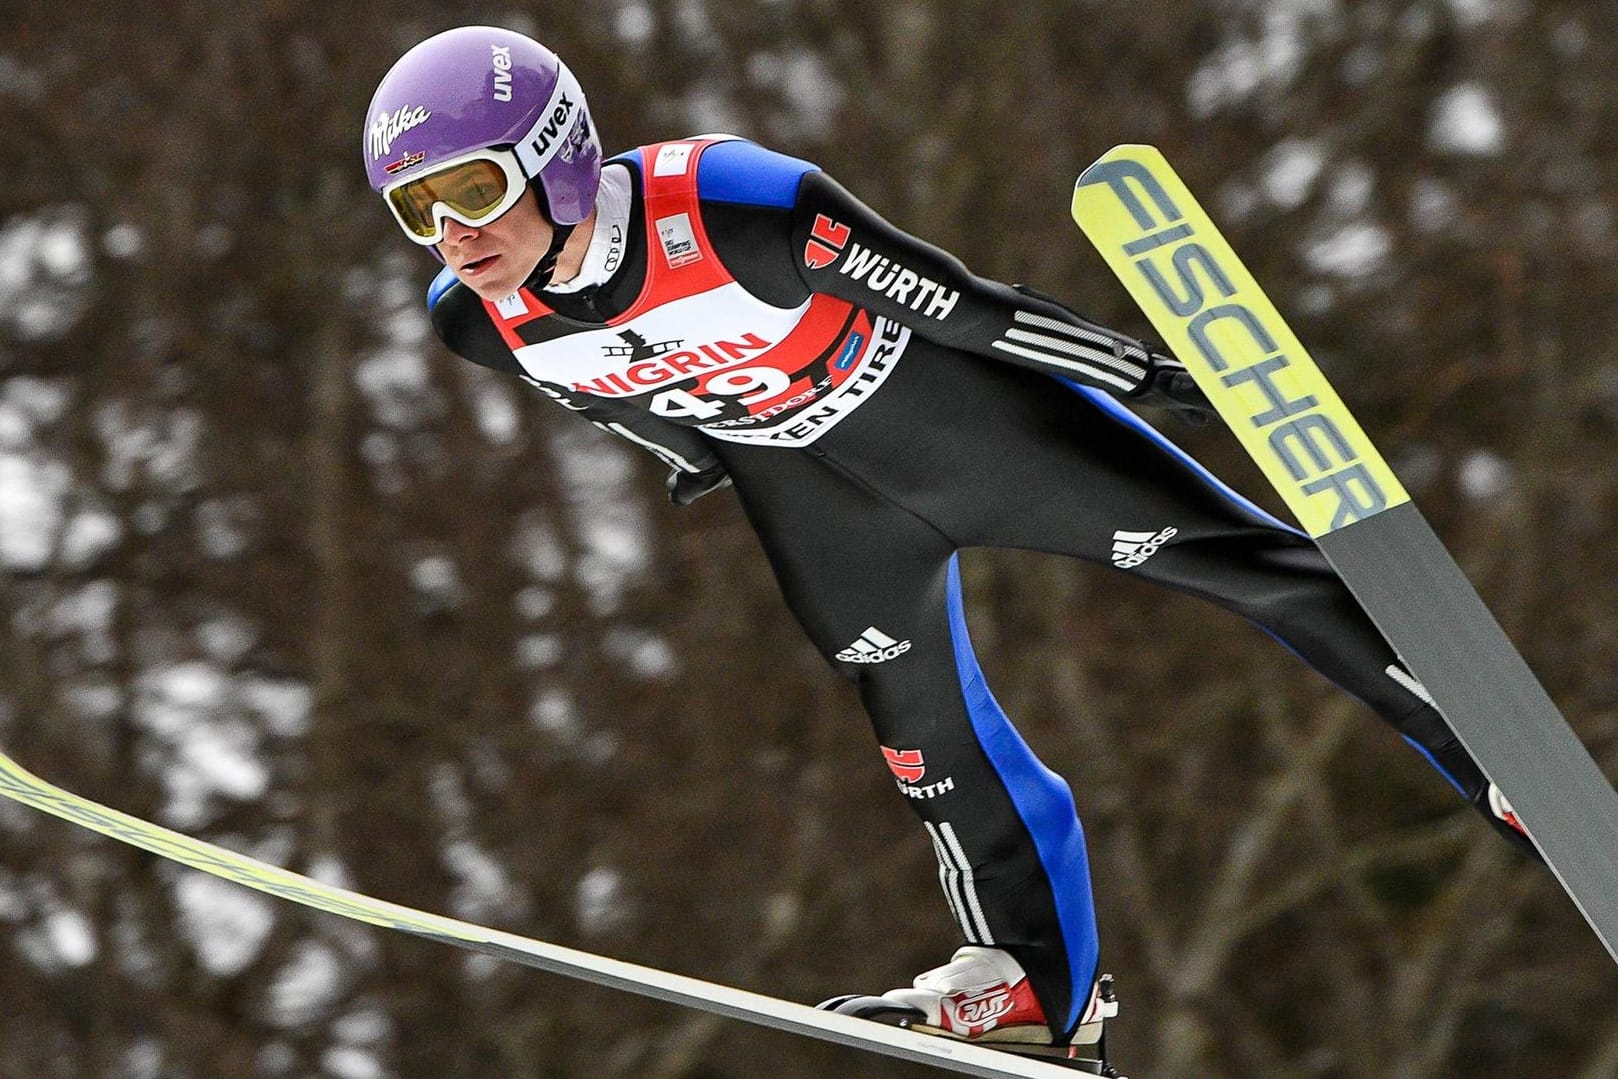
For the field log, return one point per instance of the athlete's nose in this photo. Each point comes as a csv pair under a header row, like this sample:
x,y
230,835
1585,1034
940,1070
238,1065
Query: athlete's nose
x,y
456,232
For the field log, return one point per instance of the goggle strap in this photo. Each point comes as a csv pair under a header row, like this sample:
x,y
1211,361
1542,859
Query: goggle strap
x,y
547,262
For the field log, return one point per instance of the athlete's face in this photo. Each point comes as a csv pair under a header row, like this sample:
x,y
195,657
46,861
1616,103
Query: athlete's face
x,y
495,258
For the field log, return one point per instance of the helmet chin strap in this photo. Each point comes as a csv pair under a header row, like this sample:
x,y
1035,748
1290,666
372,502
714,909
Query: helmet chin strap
x,y
547,262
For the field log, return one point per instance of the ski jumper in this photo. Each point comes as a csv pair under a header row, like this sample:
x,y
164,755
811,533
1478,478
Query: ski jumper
x,y
878,408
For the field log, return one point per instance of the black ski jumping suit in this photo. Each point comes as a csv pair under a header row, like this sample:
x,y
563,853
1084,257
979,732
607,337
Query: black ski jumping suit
x,y
878,407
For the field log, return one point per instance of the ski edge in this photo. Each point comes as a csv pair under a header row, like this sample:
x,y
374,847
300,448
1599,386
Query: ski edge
x,y
22,786
1462,656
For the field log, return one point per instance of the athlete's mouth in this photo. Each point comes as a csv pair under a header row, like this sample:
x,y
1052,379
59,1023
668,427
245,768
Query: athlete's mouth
x,y
478,264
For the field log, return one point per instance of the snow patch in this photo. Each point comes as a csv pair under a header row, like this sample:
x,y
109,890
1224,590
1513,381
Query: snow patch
x,y
40,403
1290,171
1351,189
351,1062
812,97
306,987
482,889
123,241
537,651
494,404
159,447
1484,476
226,638
394,377
36,523
143,1059
437,584
365,1026
32,496
1465,121
285,707
71,936
646,654
226,924
538,550
44,272
394,383
606,515
61,939
533,602
1433,206
552,712
1357,249
209,749
224,526
330,870
98,702
1474,13
634,24
13,905
275,1058
598,901
90,534
1267,62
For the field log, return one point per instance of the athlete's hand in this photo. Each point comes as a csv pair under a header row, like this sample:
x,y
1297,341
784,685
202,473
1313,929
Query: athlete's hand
x,y
1169,386
686,487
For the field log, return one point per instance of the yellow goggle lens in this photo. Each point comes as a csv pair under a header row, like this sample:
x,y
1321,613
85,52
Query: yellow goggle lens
x,y
473,189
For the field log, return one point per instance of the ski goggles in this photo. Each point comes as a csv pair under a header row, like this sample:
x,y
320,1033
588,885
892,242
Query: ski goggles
x,y
474,189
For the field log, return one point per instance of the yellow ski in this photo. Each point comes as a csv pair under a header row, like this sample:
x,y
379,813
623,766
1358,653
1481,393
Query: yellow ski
x,y
1215,318
20,785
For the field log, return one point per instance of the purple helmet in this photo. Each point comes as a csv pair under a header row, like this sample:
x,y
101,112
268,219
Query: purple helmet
x,y
477,87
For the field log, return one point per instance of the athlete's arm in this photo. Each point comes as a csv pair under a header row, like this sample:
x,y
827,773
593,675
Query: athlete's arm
x,y
754,198
850,251
463,325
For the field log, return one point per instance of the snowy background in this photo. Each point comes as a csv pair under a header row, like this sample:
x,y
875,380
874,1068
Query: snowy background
x,y
280,573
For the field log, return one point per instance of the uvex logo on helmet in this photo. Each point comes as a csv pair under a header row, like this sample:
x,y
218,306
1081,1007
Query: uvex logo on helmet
x,y
559,122
500,57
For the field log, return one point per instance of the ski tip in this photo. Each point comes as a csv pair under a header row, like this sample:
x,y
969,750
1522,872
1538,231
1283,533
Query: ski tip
x,y
1124,151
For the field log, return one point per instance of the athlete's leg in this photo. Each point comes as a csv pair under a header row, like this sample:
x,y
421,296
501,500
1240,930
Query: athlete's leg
x,y
996,456
877,591
1108,488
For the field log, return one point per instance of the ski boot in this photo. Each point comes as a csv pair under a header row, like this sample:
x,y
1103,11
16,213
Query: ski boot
x,y
1498,812
982,996
1502,809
